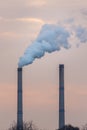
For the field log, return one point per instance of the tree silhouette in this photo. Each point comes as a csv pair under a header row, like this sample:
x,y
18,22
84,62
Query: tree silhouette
x,y
26,126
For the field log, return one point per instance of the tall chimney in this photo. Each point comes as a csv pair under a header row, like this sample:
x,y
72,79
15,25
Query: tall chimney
x,y
61,96
19,101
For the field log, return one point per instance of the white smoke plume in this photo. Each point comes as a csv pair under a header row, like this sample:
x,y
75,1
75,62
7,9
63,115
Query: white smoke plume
x,y
51,38
81,34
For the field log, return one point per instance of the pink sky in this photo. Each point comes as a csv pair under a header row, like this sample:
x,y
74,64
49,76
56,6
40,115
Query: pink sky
x,y
20,23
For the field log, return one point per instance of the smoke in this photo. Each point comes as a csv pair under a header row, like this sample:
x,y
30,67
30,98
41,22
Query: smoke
x,y
81,34
51,38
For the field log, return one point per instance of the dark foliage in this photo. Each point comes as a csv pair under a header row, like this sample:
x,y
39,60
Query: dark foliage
x,y
69,127
26,126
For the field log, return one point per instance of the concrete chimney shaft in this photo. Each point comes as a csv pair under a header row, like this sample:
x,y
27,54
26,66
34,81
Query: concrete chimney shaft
x,y
19,101
61,96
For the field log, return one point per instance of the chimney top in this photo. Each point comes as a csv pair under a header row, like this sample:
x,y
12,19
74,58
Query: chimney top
x,y
19,69
61,66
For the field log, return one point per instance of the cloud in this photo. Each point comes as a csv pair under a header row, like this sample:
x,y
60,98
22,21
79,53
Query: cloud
x,y
6,92
22,27
34,20
40,100
22,19
84,11
10,34
1,18
4,19
35,3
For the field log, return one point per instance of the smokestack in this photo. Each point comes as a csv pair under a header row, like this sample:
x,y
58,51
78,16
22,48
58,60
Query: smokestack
x,y
19,101
61,96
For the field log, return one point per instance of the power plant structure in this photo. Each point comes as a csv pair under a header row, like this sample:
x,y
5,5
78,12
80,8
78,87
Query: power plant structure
x,y
61,97
19,101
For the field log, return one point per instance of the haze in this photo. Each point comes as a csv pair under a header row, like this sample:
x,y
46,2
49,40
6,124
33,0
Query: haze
x,y
20,23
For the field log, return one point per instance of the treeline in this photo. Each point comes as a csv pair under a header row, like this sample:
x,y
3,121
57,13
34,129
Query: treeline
x,y
31,126
26,126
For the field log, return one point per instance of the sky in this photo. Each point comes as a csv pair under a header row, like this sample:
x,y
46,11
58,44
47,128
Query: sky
x,y
20,24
